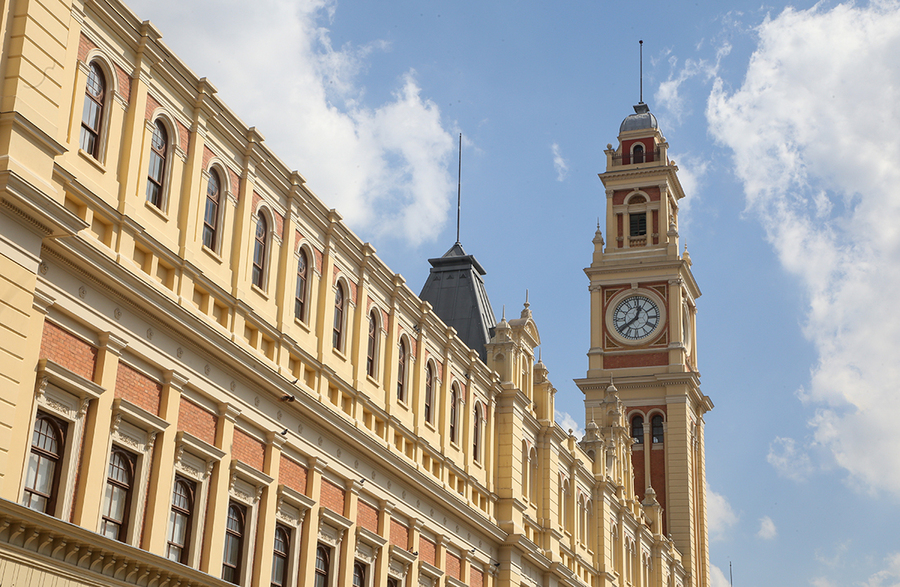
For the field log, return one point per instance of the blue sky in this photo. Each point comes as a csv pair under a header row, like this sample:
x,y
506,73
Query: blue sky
x,y
785,123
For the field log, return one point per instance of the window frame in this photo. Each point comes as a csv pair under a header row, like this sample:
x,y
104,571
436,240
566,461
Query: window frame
x,y
59,427
476,433
661,421
212,242
261,245
127,487
372,344
282,555
322,573
430,378
102,102
301,288
453,425
340,313
187,513
402,369
236,568
164,154
638,437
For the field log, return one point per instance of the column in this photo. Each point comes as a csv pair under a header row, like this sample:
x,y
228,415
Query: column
x,y
310,535
162,469
217,504
96,442
268,509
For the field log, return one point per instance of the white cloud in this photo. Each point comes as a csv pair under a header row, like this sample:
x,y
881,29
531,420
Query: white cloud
x,y
789,459
717,577
565,421
815,135
668,94
559,164
889,576
384,166
720,517
767,529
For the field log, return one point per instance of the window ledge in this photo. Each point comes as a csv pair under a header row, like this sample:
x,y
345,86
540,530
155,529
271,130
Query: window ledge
x,y
299,322
430,426
339,354
158,211
92,160
259,290
372,380
215,256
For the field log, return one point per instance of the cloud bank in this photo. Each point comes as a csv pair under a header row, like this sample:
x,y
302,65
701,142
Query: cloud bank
x,y
815,135
384,166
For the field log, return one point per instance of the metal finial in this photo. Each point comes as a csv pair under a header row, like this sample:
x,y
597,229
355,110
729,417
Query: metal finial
x,y
458,188
642,70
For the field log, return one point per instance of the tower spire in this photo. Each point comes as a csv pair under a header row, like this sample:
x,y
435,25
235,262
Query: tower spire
x,y
459,188
641,42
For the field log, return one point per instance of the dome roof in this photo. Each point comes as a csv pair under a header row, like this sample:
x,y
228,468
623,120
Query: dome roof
x,y
640,120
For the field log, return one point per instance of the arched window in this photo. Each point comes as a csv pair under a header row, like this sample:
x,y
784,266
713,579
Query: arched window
x,y
180,520
533,478
157,172
42,477
300,292
322,566
234,544
92,115
454,401
589,518
637,154
637,429
259,250
401,370
525,469
582,519
372,344
211,211
429,391
476,433
117,498
359,574
280,556
656,429
338,335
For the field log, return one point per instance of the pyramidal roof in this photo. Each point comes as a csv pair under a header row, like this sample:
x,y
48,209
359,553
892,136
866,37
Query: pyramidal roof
x,y
455,290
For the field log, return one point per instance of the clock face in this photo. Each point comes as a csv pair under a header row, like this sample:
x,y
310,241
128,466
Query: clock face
x,y
636,317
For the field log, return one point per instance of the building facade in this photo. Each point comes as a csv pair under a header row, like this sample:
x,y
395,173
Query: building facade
x,y
208,379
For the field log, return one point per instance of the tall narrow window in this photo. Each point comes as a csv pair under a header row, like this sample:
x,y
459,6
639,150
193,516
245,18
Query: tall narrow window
x,y
180,520
259,250
117,499
42,477
92,115
211,212
338,337
476,433
401,371
157,172
373,340
454,400
656,429
323,566
637,429
280,556
300,292
637,155
532,480
429,391
638,223
234,544
359,574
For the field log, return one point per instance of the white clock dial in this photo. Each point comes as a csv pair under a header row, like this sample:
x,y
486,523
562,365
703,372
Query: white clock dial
x,y
636,317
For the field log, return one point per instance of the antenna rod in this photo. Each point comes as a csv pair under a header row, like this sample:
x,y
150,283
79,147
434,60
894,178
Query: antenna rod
x,y
642,70
730,575
458,188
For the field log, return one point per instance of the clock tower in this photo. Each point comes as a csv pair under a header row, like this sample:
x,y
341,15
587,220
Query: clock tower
x,y
643,335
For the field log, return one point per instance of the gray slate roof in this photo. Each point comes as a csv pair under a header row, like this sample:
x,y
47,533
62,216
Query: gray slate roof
x,y
641,119
455,290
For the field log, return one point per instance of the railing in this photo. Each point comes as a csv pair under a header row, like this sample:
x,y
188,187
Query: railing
x,y
645,157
